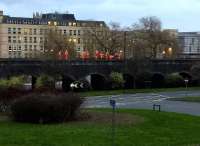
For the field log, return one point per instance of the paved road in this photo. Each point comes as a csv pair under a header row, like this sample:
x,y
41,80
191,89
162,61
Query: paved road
x,y
146,101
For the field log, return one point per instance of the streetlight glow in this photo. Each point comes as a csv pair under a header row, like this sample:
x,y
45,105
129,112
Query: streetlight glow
x,y
163,52
170,49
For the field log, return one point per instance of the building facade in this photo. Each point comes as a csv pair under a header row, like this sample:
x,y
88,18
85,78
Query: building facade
x,y
189,43
24,37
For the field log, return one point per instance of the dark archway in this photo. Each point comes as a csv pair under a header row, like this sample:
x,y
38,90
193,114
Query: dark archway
x,y
66,82
98,82
128,81
33,82
158,80
186,75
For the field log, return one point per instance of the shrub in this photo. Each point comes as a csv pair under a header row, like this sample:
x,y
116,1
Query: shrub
x,y
158,80
16,82
185,75
13,82
45,81
142,79
3,83
195,72
46,107
8,95
174,80
117,80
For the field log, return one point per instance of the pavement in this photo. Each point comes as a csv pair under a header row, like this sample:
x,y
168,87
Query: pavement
x,y
146,101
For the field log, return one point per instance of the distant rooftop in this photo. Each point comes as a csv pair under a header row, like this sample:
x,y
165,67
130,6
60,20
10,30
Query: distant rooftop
x,y
43,19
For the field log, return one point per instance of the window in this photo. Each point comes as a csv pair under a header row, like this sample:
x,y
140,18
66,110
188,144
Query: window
x,y
25,47
70,32
35,40
14,30
14,39
9,30
65,31
9,39
30,31
79,40
15,48
70,24
78,49
35,31
10,48
74,24
19,30
25,39
41,31
26,31
30,47
19,39
19,48
30,39
35,48
74,32
41,48
41,40
79,32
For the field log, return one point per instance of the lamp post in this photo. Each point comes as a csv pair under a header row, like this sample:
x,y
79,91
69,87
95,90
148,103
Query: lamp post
x,y
125,33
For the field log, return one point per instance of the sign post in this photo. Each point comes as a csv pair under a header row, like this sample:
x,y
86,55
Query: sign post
x,y
113,104
186,86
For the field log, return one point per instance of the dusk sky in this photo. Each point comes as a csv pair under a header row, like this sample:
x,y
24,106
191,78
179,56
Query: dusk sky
x,y
175,14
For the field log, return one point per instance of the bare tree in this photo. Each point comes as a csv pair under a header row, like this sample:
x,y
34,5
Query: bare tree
x,y
57,45
154,39
106,39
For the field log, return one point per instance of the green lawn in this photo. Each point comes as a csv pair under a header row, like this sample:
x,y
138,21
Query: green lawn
x,y
187,99
133,91
157,129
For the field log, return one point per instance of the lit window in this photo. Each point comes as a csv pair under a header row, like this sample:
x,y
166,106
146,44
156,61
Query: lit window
x,y
49,22
55,23
74,24
70,24
25,31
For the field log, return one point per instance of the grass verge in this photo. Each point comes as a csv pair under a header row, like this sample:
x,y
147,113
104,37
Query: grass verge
x,y
156,129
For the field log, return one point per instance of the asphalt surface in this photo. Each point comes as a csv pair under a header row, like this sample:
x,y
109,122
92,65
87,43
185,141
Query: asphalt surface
x,y
147,100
